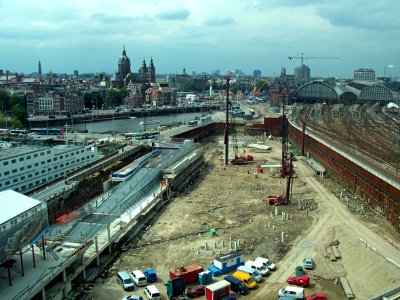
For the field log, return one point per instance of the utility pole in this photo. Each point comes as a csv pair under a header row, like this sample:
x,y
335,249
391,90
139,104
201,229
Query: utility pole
x,y
226,133
398,157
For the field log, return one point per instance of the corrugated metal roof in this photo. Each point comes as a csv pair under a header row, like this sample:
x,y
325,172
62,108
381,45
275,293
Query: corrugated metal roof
x,y
13,204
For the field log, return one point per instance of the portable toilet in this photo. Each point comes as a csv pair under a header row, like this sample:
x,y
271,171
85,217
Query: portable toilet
x,y
205,277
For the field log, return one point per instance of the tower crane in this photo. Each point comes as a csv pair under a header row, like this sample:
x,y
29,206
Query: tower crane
x,y
302,57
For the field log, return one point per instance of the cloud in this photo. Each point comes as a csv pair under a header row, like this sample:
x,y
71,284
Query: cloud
x,y
110,18
219,21
179,14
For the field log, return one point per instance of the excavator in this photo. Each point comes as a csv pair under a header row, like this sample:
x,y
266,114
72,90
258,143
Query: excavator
x,y
285,197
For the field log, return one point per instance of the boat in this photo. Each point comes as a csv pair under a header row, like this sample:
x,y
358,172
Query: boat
x,y
237,111
151,122
132,117
148,134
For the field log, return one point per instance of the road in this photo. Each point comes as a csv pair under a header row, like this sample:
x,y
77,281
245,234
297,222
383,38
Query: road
x,y
368,272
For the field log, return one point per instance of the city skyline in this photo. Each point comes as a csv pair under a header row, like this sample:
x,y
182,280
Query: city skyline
x,y
89,36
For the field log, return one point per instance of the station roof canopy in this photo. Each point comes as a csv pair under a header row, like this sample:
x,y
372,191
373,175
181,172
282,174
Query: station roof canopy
x,y
13,204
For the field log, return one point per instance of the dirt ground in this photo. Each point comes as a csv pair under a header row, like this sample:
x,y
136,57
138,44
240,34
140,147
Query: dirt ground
x,y
232,200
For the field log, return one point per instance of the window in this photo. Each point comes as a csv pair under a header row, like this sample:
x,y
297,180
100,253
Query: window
x,y
62,165
37,182
21,159
28,157
42,162
41,153
7,183
36,173
22,177
29,175
22,168
66,155
49,160
55,158
43,171
48,151
14,171
29,167
36,164
5,163
55,167
61,157
6,173
31,184
13,161
15,180
24,187
35,155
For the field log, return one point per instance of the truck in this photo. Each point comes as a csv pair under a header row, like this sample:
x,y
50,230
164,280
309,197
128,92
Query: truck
x,y
226,263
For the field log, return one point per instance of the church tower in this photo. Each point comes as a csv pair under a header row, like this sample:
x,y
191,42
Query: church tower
x,y
39,69
124,65
152,71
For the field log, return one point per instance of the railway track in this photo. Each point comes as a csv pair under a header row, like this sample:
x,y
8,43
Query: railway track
x,y
367,140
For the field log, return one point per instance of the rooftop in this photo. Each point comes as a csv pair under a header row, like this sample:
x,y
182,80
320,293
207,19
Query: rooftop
x,y
14,204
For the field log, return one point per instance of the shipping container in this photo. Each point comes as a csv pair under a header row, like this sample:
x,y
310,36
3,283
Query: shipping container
x,y
218,290
189,273
226,263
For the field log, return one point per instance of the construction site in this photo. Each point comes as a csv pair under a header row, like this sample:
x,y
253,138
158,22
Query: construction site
x,y
306,182
227,208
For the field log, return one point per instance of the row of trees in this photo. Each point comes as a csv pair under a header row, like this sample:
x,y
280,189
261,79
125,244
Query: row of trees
x,y
12,111
113,98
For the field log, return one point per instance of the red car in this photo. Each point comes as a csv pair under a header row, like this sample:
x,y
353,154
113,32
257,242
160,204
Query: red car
x,y
198,290
317,296
302,280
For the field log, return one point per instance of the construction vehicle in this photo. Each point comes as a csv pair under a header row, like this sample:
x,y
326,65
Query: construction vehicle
x,y
285,197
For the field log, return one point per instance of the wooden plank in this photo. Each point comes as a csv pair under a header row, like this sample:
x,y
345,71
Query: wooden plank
x,y
346,287
335,252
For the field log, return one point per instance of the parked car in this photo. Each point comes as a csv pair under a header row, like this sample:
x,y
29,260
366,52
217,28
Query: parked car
x,y
303,280
317,296
132,297
198,290
150,275
269,264
292,291
308,263
299,271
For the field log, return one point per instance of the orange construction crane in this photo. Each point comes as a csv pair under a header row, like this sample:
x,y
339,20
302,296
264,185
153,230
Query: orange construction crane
x,y
302,57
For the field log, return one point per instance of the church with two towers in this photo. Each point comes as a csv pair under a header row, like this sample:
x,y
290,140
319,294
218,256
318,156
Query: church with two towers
x,y
124,76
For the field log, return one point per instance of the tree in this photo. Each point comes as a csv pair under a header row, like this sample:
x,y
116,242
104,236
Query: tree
x,y
5,101
18,116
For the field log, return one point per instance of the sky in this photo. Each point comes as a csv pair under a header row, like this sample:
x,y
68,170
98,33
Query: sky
x,y
336,36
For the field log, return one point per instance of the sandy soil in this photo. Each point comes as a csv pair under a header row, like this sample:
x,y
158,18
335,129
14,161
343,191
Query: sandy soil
x,y
232,200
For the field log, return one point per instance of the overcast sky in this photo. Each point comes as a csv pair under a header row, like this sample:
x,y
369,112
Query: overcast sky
x,y
201,35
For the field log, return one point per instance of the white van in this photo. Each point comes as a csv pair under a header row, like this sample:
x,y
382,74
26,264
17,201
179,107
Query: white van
x,y
266,262
257,276
257,266
138,277
152,292
293,292
125,280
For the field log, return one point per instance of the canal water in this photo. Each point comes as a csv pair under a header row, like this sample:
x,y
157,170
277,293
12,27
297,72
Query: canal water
x,y
132,125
